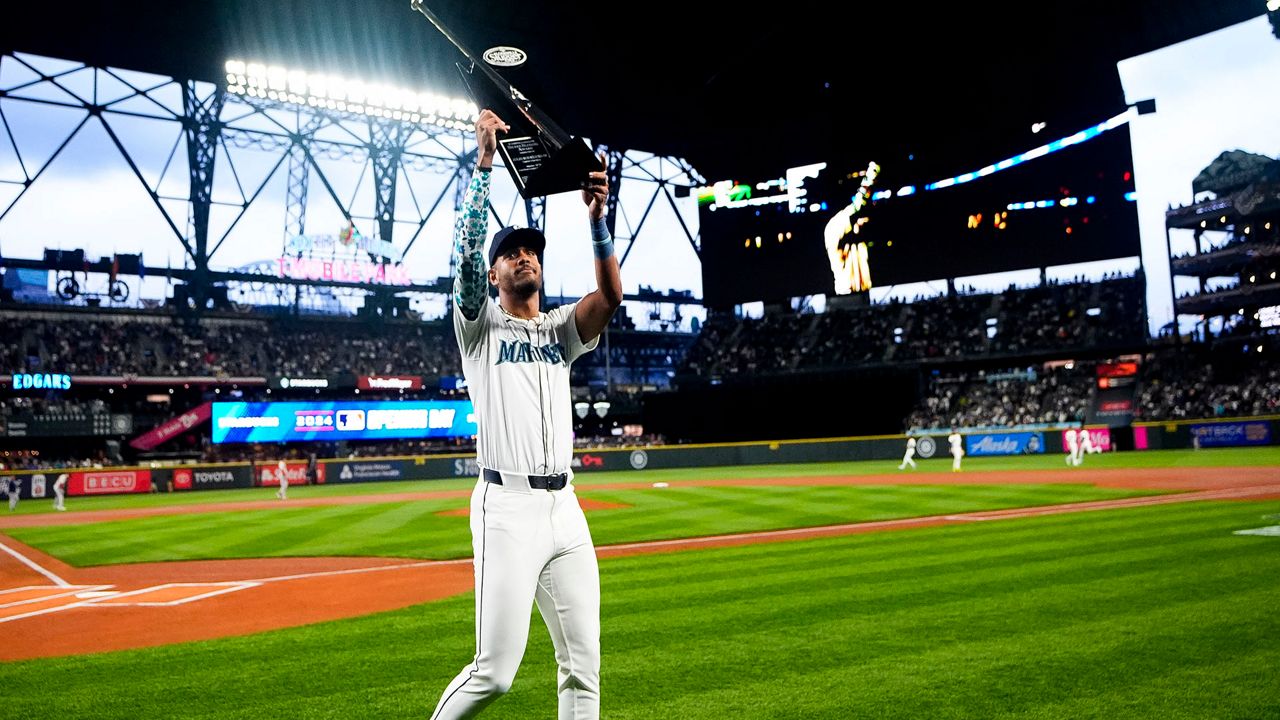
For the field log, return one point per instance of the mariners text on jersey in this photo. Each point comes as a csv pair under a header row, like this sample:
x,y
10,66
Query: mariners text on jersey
x,y
523,351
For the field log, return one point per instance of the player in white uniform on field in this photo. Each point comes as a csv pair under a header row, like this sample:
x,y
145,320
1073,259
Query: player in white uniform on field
x,y
957,450
282,474
1073,447
1086,443
528,532
60,492
911,452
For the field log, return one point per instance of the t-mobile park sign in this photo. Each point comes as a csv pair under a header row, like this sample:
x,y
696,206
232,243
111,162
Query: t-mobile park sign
x,y
354,271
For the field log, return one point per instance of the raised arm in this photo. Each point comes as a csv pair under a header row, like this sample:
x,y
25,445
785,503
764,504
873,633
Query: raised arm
x,y
470,287
595,310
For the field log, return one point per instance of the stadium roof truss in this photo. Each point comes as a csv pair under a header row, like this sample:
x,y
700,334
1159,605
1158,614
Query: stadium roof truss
x,y
212,120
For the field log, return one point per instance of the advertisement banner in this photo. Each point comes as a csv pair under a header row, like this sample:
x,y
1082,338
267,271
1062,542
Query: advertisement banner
x,y
296,472
211,478
168,430
238,422
1015,443
109,482
351,471
1232,434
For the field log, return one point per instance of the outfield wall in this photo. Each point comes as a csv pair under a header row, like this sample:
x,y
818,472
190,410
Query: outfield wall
x,y
1223,432
1226,432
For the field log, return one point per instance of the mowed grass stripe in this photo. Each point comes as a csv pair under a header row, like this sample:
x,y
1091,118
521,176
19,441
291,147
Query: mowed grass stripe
x,y
1177,693
393,529
956,678
1009,627
996,569
1086,615
716,510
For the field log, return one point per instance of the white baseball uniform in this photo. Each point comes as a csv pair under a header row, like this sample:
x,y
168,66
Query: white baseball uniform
x,y
60,492
14,488
1073,447
282,473
911,452
957,450
1086,443
531,545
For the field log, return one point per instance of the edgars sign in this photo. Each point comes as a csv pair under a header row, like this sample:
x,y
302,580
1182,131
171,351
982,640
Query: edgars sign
x,y
41,381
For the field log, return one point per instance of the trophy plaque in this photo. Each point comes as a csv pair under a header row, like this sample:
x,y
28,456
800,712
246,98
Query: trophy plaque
x,y
542,158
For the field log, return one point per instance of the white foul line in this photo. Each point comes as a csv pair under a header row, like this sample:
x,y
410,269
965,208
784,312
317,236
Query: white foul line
x,y
46,611
221,588
63,592
352,571
25,561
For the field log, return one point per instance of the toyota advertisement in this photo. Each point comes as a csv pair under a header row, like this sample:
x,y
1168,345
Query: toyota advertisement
x,y
238,422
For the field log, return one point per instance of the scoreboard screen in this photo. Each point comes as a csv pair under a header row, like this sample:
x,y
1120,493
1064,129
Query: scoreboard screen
x,y
831,229
240,422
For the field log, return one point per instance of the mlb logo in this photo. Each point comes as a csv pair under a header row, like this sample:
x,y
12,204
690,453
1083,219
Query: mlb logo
x,y
351,420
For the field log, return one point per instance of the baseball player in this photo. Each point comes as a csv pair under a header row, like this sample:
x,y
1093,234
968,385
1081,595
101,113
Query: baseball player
x,y
282,472
528,532
14,490
1086,443
60,492
1073,447
911,452
957,449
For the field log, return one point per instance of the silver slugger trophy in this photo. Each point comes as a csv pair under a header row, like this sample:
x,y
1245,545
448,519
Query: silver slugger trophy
x,y
542,158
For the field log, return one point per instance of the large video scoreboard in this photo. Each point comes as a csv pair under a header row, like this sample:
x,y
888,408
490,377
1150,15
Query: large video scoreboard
x,y
808,232
240,422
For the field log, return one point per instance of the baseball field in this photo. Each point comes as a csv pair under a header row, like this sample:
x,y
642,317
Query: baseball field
x,y
1017,588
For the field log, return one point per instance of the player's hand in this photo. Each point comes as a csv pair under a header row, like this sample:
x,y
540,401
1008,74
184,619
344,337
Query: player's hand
x,y
595,191
487,127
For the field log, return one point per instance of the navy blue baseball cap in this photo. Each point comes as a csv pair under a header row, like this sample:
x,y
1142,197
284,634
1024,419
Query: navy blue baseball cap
x,y
513,237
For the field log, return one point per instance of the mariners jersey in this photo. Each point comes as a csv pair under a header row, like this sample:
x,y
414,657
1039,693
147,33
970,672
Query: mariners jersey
x,y
517,370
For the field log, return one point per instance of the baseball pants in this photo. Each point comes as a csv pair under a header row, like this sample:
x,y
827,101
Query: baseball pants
x,y
530,546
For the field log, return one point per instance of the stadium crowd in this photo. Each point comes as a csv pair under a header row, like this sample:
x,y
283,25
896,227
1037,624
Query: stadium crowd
x,y
1004,399
156,345
1051,317
1186,386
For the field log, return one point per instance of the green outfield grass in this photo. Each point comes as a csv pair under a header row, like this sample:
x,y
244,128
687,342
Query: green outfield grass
x,y
416,530
1155,612
1224,457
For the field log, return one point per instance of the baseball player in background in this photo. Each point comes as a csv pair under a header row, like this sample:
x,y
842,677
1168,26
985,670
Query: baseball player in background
x,y
911,452
1073,446
14,489
957,449
1086,443
60,492
282,473
528,532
